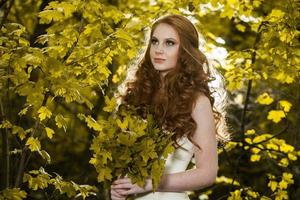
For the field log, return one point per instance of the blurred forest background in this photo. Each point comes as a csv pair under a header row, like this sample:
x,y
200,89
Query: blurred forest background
x,y
59,59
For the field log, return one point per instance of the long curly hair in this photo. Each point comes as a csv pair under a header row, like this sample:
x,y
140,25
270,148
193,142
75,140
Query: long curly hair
x,y
173,105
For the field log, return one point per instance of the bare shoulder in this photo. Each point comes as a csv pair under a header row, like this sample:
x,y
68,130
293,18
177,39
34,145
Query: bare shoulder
x,y
205,133
202,105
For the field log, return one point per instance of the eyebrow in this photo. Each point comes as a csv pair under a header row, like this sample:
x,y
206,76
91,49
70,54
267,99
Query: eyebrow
x,y
165,38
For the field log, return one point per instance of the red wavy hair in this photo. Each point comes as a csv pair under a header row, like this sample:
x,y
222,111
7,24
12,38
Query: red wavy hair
x,y
172,106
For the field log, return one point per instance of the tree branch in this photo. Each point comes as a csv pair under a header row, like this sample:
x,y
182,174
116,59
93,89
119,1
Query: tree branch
x,y
2,2
24,160
5,153
80,29
6,12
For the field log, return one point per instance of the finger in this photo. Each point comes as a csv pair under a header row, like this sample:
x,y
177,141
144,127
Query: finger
x,y
117,196
122,180
117,192
122,186
128,192
120,190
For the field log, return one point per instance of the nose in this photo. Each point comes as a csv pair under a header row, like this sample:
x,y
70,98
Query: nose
x,y
159,49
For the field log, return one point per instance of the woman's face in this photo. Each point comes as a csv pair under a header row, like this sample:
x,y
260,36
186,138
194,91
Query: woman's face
x,y
164,48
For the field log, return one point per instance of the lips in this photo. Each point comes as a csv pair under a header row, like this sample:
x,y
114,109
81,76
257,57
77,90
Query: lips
x,y
159,60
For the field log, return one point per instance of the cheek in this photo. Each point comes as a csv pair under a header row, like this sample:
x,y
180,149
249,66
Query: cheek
x,y
151,51
175,55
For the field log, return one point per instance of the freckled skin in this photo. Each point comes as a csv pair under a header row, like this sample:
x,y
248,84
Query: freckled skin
x,y
165,44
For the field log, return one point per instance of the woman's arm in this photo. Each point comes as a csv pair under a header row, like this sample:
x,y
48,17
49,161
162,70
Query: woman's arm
x,y
206,159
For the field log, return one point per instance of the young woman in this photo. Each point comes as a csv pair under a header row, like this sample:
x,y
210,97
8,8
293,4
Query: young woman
x,y
171,82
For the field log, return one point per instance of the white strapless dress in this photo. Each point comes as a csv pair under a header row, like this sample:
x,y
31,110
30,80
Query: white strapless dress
x,y
176,162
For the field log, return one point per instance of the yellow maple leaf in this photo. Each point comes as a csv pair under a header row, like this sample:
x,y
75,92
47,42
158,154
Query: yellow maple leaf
x,y
284,162
273,185
115,79
292,156
44,113
33,144
240,27
49,132
255,157
283,184
288,177
110,104
123,125
285,105
264,99
250,132
276,115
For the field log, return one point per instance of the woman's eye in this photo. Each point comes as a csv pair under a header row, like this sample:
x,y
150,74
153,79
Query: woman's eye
x,y
170,43
154,41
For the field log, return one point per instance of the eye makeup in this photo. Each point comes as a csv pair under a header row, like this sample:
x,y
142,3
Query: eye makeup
x,y
168,41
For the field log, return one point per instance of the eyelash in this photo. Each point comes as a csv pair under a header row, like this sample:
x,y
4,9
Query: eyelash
x,y
168,41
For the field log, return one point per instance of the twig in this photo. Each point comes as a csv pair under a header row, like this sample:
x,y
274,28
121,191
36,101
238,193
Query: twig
x,y
24,160
6,12
2,3
5,151
70,51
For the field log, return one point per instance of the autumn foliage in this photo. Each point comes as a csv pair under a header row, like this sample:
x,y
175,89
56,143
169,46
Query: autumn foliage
x,y
60,60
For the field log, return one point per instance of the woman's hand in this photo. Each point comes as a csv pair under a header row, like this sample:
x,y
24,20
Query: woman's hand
x,y
115,194
124,187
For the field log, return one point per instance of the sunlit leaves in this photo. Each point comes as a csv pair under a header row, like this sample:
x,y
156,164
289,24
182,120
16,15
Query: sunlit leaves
x,y
19,131
255,157
61,122
44,113
276,115
278,186
104,174
139,148
49,132
264,146
241,28
121,34
91,123
276,15
101,39
33,144
56,11
227,180
45,156
286,105
12,194
264,99
110,104
40,179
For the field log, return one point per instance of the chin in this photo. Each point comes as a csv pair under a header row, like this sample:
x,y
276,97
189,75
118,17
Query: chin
x,y
161,68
